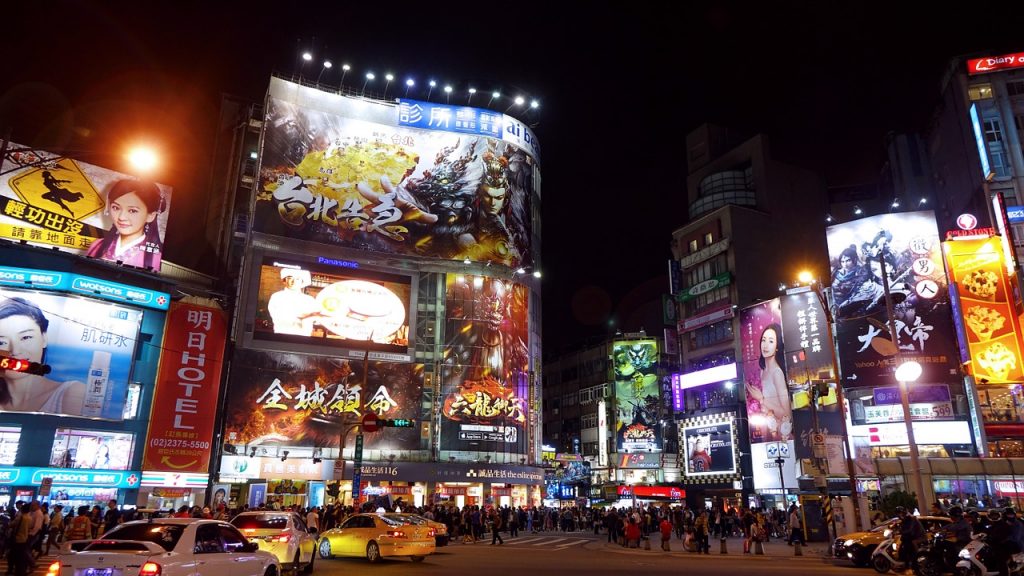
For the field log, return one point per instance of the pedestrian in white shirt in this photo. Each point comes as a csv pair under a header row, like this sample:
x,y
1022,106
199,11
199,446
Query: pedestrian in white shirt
x,y
313,520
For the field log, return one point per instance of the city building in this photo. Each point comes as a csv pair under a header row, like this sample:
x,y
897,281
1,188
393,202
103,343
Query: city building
x,y
389,270
728,254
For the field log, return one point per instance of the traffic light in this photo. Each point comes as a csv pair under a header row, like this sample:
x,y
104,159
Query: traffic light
x,y
19,365
397,423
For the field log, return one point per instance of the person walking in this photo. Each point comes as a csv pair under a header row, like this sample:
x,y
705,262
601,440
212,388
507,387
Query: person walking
x,y
700,532
18,559
56,527
495,521
796,527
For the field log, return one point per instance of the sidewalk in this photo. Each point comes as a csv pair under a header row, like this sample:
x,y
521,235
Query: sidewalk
x,y
775,548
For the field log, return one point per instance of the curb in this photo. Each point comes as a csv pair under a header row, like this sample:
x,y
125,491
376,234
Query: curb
x,y
809,554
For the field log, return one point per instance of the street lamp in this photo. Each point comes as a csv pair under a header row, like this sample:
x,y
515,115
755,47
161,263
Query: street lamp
x,y
409,83
143,159
327,66
389,77
369,76
448,94
344,70
906,374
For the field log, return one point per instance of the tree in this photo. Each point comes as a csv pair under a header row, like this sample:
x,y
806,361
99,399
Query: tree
x,y
892,500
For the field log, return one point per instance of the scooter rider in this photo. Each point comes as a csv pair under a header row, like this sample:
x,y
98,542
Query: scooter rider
x,y
999,534
911,533
960,529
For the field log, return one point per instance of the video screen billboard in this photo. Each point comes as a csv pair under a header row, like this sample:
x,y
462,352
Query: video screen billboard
x,y
279,399
764,372
987,310
92,449
343,172
909,243
52,201
309,304
709,449
88,344
486,367
637,396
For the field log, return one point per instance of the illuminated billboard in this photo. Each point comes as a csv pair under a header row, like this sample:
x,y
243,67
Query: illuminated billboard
x,y
52,201
637,396
709,449
909,244
300,400
486,366
764,373
986,307
92,449
347,172
316,304
88,344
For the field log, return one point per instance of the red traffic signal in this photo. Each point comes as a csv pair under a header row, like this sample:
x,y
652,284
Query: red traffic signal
x,y
19,365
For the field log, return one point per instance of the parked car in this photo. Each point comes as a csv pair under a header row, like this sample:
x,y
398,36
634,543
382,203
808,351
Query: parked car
x,y
440,529
376,536
283,534
858,546
166,547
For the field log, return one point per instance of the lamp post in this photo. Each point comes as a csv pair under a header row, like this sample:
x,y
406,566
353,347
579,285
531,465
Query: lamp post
x,y
908,373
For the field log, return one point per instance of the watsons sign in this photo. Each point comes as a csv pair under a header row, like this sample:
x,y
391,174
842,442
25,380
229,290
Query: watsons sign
x,y
65,477
67,282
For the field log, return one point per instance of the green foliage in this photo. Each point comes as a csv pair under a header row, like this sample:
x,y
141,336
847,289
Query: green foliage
x,y
891,500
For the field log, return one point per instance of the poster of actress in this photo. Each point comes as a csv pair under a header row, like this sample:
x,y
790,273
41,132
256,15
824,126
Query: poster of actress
x,y
764,373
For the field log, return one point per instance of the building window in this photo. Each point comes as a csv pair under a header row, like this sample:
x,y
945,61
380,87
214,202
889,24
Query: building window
x,y
979,91
710,335
709,239
693,246
996,150
1015,88
723,188
588,421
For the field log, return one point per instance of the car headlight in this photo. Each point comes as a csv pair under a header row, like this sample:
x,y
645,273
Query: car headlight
x,y
849,543
887,533
965,554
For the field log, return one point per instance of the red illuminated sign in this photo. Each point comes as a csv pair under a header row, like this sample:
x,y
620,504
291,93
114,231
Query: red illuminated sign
x,y
670,492
995,63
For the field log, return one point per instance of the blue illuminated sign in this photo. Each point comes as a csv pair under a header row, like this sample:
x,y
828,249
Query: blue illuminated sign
x,y
462,119
979,140
336,262
25,476
68,282
1015,214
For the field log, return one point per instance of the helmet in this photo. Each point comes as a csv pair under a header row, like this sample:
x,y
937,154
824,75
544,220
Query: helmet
x,y
900,510
1010,512
994,515
956,512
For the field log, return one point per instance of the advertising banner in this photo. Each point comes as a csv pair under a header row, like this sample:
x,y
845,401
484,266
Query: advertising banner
x,y
279,399
764,372
774,465
51,201
310,304
486,370
31,278
602,433
343,172
187,390
637,396
709,449
909,244
987,311
88,344
92,449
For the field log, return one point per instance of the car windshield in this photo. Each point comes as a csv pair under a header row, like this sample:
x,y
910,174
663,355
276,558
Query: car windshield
x,y
260,522
166,535
392,521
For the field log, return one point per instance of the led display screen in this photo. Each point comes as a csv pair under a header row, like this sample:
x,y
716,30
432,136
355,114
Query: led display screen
x,y
709,449
637,396
305,304
88,344
92,449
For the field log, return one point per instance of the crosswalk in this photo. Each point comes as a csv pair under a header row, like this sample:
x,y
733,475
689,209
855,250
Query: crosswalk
x,y
552,541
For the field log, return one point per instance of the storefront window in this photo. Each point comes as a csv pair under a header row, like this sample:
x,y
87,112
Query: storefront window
x,y
1001,404
1006,448
9,438
92,449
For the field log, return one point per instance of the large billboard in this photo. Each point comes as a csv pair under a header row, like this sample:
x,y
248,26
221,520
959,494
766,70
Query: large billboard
x,y
352,173
709,449
909,244
309,304
764,373
88,344
637,396
277,399
53,201
92,449
486,365
987,310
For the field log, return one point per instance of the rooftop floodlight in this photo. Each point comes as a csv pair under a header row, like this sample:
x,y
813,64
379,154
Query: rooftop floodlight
x,y
389,77
344,70
494,95
431,91
307,56
448,93
369,76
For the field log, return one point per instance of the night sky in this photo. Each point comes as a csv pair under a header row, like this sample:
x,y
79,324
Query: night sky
x,y
620,85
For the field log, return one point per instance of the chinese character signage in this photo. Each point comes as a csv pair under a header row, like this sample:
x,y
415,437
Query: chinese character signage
x,y
187,390
344,172
485,373
306,304
909,245
464,119
637,396
298,400
986,308
87,285
709,449
88,344
51,201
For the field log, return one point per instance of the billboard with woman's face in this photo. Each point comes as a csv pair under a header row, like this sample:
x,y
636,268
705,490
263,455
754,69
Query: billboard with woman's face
x,y
764,373
89,346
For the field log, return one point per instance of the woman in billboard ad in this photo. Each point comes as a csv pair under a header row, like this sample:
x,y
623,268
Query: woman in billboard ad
x,y
134,236
768,403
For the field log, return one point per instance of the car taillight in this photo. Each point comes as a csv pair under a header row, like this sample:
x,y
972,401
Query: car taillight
x,y
53,569
282,537
396,534
150,569
431,532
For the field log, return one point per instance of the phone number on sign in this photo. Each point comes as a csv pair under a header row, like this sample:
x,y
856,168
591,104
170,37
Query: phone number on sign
x,y
173,443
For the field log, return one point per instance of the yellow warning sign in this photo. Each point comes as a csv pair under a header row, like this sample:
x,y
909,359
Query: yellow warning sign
x,y
61,188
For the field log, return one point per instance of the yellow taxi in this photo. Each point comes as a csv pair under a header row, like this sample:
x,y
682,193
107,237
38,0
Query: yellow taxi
x,y
440,529
375,536
858,546
283,534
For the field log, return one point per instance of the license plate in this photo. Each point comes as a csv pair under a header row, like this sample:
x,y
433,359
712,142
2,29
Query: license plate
x,y
99,572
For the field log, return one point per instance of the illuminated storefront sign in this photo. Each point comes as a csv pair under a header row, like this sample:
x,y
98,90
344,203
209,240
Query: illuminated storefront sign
x,y
985,302
893,434
87,285
995,63
666,492
602,433
708,318
640,460
637,396
706,376
64,477
979,142
174,479
918,411
704,287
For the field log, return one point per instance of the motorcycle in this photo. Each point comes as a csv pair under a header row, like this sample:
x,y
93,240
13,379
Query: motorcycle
x,y
937,556
886,554
977,559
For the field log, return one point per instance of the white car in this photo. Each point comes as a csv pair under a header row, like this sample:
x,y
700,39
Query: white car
x,y
283,534
167,547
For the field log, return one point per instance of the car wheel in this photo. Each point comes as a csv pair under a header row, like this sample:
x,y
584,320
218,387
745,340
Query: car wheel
x,y
372,552
325,548
270,572
308,568
417,558
861,558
